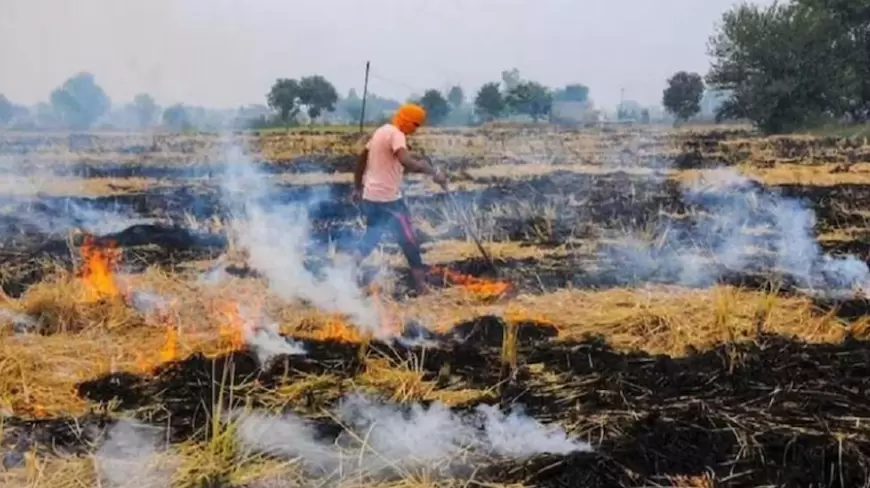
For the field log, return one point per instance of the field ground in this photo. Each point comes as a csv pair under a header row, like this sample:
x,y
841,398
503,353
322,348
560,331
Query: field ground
x,y
683,325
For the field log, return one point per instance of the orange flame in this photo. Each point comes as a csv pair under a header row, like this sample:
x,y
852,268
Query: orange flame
x,y
169,351
336,328
478,287
515,314
97,270
231,325
39,411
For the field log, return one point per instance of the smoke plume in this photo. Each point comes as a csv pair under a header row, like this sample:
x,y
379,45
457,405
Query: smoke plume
x,y
27,208
264,338
275,237
737,226
384,440
21,323
130,457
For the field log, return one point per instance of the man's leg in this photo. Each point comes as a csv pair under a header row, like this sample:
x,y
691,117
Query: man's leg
x,y
375,220
408,243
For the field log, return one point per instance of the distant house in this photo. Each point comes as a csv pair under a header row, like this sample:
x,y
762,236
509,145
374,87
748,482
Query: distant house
x,y
572,112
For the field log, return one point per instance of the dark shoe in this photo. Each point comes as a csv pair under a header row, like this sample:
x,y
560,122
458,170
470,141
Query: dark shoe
x,y
419,276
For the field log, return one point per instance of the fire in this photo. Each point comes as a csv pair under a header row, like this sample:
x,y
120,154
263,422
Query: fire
x,y
336,328
515,314
39,411
97,270
169,351
478,287
231,325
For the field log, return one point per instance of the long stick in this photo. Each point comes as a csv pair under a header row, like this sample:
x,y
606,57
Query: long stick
x,y
362,114
469,231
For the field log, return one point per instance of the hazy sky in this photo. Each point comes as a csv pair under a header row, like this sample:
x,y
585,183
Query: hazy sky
x,y
225,53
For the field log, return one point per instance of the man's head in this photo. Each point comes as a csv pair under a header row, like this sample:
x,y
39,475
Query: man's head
x,y
409,117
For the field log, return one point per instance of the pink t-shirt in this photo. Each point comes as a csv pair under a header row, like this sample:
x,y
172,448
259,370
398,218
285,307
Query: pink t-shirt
x,y
382,179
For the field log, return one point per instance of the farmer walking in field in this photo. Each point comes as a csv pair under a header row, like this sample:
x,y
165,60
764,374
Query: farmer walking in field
x,y
377,184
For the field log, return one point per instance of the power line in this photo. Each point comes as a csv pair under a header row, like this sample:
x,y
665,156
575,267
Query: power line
x,y
396,82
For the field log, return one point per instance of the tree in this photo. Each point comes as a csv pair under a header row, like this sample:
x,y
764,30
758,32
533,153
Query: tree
x,y
176,117
781,66
317,94
284,97
845,25
456,96
530,98
682,97
629,110
352,105
644,116
145,108
489,101
7,110
79,102
572,93
436,106
711,101
44,115
380,108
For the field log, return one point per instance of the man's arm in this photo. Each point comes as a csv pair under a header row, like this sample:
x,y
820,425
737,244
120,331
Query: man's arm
x,y
415,165
360,169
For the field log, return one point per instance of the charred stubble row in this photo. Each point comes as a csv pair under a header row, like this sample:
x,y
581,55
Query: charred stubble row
x,y
775,411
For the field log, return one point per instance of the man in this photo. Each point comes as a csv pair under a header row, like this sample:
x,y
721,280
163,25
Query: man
x,y
377,182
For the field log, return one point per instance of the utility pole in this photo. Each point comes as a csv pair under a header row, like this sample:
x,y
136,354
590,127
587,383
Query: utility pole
x,y
362,115
619,110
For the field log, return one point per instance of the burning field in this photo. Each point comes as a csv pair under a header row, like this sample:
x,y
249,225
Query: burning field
x,y
656,308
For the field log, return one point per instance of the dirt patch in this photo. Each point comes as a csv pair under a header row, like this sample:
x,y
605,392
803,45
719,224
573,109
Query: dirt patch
x,y
49,437
489,330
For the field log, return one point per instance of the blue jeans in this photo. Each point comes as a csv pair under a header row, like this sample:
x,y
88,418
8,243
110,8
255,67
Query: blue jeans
x,y
393,216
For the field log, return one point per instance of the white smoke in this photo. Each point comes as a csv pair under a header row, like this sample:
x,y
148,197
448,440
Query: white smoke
x,y
384,440
275,237
738,227
23,193
264,338
149,303
21,323
131,457
287,436
216,274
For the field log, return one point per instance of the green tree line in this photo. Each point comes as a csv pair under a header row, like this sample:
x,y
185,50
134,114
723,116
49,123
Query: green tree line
x,y
783,67
80,103
794,65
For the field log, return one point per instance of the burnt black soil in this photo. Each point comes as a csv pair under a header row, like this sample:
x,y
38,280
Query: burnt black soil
x,y
549,273
323,164
563,204
185,391
543,210
771,413
774,412
570,207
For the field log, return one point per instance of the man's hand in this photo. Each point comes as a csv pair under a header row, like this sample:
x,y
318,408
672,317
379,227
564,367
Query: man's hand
x,y
440,178
356,195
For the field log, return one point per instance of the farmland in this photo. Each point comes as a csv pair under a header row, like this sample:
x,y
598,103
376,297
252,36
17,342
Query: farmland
x,y
682,304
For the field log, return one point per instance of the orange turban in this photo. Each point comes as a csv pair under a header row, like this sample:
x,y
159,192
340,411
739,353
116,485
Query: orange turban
x,y
408,117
